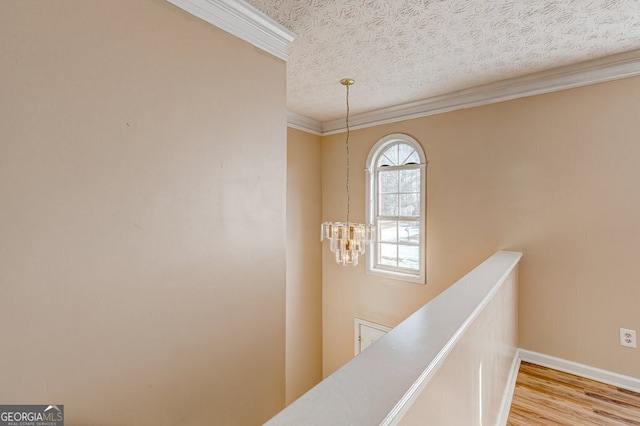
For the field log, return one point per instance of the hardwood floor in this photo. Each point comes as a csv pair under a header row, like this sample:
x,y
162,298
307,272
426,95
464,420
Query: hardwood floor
x,y
549,397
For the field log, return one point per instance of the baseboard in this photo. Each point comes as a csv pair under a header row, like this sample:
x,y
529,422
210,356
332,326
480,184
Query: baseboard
x,y
604,376
505,405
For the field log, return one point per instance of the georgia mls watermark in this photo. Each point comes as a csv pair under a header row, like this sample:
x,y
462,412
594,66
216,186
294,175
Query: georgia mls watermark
x,y
31,415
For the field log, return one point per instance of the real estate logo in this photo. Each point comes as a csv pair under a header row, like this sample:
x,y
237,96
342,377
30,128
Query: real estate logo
x,y
31,415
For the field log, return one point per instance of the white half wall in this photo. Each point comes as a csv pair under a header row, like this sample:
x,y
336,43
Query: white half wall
x,y
385,384
472,382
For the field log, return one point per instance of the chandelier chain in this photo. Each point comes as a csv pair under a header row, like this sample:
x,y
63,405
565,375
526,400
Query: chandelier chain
x,y
347,143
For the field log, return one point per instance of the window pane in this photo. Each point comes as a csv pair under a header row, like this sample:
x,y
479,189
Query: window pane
x,y
413,159
388,181
388,231
410,180
408,257
384,161
388,254
392,154
409,232
410,205
389,205
405,152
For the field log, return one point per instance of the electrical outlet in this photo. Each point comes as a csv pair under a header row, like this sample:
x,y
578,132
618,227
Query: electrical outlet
x,y
628,337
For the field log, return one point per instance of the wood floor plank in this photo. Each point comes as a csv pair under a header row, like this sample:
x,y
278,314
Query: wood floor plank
x,y
619,397
557,411
544,396
556,389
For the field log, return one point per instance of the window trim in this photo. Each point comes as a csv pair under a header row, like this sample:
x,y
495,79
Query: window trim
x,y
371,208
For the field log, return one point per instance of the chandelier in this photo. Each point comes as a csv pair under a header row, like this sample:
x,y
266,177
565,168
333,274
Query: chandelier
x,y
347,240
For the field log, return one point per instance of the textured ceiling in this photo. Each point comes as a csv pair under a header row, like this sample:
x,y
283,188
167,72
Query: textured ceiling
x,y
400,51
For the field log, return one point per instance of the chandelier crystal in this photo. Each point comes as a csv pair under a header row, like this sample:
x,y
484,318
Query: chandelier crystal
x,y
347,240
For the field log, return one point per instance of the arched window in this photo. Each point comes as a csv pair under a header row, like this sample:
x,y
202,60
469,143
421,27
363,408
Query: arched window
x,y
396,184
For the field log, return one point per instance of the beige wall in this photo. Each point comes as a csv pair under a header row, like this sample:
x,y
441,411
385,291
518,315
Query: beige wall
x,y
142,188
304,263
555,176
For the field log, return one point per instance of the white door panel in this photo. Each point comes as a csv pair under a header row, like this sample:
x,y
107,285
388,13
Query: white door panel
x,y
366,333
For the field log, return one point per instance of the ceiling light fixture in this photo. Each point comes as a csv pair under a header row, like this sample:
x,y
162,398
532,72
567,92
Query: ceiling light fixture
x,y
347,240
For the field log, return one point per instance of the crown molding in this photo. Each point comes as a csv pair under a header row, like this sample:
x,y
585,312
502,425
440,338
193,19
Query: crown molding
x,y
600,70
243,21
304,123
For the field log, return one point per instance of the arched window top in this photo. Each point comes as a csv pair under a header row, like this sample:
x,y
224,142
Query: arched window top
x,y
398,154
396,150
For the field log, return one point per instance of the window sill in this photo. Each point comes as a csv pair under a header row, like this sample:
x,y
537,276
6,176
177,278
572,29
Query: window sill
x,y
396,275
